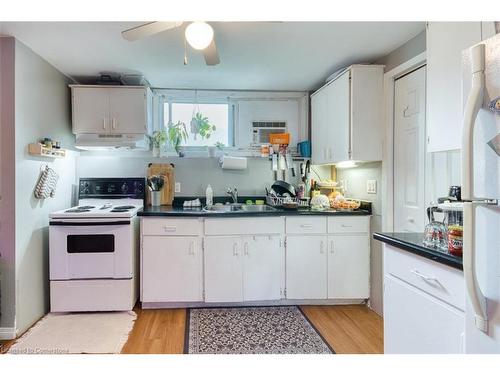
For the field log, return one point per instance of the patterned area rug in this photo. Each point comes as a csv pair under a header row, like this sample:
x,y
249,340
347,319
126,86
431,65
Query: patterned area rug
x,y
252,330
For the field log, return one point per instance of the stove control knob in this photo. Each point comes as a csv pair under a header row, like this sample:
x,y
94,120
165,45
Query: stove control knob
x,y
124,188
86,188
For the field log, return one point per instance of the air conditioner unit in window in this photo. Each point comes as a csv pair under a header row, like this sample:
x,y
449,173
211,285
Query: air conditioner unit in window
x,y
262,129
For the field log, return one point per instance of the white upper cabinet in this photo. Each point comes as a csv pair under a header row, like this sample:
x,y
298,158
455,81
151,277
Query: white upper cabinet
x,y
104,110
445,43
347,116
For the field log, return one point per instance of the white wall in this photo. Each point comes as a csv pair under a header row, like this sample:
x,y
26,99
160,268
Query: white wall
x,y
41,110
194,174
356,179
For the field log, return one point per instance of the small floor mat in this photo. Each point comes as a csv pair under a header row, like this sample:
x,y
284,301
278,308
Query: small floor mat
x,y
77,333
252,330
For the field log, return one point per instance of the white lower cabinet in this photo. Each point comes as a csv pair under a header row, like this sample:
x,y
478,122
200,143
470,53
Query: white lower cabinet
x,y
248,268
349,266
417,323
223,269
306,267
263,268
172,269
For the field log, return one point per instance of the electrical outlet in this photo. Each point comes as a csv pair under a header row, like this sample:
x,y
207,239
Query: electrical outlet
x,y
371,186
177,187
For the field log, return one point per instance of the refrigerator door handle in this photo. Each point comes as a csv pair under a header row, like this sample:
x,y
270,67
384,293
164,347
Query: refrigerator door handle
x,y
474,102
477,298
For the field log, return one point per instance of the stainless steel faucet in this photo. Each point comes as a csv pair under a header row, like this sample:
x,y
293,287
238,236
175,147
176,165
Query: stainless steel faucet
x,y
233,193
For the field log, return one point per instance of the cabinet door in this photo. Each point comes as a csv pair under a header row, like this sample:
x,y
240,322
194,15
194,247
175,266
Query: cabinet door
x,y
223,269
171,269
445,43
349,266
306,266
128,110
417,323
90,110
318,126
263,268
338,119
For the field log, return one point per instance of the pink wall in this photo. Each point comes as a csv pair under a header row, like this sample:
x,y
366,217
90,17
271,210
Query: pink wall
x,y
7,179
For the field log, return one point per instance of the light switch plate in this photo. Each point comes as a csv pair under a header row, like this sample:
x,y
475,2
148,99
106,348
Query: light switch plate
x,y
177,188
371,186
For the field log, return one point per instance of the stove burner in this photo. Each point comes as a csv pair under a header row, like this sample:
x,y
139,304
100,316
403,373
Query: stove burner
x,y
77,210
124,207
119,210
85,207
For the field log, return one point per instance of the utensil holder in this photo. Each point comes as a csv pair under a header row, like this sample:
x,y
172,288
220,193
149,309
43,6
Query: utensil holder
x,y
156,198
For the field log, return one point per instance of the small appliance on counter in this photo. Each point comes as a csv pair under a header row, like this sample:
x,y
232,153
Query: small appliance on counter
x,y
93,247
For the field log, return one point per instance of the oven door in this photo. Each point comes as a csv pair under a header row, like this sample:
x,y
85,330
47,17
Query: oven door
x,y
90,249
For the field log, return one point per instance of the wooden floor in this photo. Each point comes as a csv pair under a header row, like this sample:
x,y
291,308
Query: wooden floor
x,y
353,329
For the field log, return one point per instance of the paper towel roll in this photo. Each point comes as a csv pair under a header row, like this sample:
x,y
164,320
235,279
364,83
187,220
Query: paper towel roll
x,y
233,162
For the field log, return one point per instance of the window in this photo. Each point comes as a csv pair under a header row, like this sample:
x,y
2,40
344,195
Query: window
x,y
215,125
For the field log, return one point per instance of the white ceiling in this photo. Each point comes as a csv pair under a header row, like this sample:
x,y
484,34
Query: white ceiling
x,y
254,55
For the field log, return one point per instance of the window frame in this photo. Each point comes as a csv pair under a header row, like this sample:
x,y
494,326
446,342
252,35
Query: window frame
x,y
231,123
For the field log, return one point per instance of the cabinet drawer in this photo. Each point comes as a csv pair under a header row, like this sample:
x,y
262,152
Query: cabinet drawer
x,y
348,224
252,226
440,281
306,224
171,227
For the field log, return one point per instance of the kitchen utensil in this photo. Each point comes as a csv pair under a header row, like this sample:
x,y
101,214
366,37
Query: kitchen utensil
x,y
275,166
289,163
283,188
167,171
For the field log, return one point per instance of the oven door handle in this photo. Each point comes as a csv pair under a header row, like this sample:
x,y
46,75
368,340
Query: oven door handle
x,y
90,223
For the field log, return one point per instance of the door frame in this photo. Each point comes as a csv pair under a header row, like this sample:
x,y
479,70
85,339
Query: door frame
x,y
390,78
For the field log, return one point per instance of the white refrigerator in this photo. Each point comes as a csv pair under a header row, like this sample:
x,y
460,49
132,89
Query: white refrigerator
x,y
481,190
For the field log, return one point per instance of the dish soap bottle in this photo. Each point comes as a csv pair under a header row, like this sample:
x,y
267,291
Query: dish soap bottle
x,y
209,195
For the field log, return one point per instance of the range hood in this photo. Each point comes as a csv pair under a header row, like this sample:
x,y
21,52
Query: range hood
x,y
110,141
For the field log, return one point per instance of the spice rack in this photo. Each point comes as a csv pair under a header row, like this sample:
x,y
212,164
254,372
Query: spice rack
x,y
38,149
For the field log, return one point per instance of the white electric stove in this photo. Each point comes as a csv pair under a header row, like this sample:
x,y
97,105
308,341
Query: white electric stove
x,y
93,247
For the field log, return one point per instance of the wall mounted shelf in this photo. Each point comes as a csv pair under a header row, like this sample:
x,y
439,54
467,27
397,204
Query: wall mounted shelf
x,y
38,149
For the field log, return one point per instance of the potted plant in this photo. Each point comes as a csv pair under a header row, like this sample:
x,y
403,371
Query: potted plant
x,y
200,125
157,140
177,133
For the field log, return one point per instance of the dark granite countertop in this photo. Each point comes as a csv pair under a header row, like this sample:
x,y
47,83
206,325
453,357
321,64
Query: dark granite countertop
x,y
413,242
199,212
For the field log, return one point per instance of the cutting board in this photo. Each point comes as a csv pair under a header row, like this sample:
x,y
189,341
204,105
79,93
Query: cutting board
x,y
167,193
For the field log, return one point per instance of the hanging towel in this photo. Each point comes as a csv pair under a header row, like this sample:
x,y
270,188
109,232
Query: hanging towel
x,y
46,186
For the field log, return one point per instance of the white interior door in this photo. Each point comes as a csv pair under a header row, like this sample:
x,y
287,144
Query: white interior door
x,y
409,152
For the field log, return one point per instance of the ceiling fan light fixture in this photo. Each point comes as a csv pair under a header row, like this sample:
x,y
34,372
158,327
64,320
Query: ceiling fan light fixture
x,y
199,35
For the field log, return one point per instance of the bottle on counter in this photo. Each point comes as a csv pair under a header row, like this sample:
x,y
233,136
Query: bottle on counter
x,y
209,196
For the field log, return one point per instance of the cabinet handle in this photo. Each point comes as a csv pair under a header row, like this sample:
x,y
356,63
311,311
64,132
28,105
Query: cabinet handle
x,y
331,247
169,229
346,226
104,123
426,278
235,249
113,123
246,248
321,248
307,226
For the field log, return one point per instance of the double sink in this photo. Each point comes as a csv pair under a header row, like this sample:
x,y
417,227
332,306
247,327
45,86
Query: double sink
x,y
236,207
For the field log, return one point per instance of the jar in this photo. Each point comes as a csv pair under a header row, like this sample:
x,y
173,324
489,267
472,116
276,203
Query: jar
x,y
455,240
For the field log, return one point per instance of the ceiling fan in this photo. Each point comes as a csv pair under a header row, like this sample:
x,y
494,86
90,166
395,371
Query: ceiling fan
x,y
199,35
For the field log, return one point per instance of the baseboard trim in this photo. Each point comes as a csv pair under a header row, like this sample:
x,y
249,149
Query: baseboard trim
x,y
7,333
284,302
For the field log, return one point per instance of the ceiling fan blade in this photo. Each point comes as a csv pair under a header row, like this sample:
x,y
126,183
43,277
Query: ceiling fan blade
x,y
149,29
211,55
